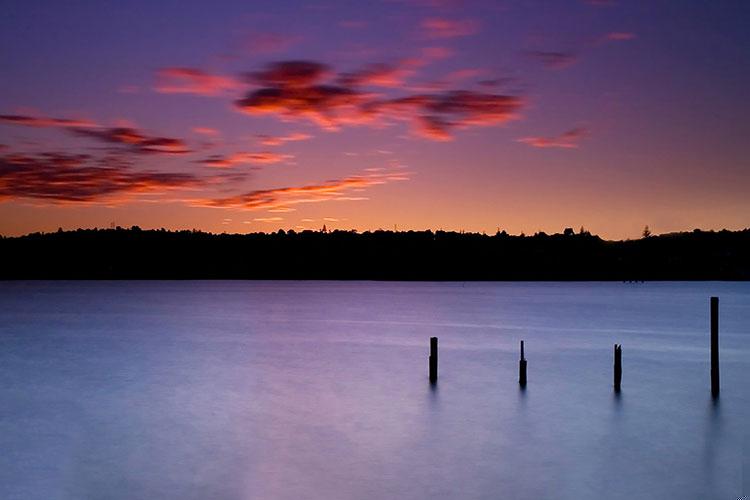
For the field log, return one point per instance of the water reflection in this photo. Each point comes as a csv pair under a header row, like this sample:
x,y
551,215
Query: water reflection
x,y
263,390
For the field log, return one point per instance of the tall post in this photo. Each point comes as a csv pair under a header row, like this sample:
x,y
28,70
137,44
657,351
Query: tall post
x,y
433,359
522,369
618,367
714,346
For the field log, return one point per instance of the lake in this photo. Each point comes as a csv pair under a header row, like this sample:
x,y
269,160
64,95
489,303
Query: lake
x,y
319,390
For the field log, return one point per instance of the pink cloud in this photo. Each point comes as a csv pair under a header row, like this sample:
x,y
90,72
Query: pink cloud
x,y
207,131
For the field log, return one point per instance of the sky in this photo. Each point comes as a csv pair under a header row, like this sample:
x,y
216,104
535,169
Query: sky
x,y
241,116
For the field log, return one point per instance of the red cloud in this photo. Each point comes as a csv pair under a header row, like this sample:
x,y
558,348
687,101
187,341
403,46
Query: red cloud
x,y
437,28
193,81
65,178
261,158
567,140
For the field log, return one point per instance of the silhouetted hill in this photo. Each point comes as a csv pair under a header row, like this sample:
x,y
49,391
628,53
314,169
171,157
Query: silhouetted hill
x,y
380,255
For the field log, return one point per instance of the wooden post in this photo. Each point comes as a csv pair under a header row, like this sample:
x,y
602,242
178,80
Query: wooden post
x,y
618,367
714,346
433,359
522,369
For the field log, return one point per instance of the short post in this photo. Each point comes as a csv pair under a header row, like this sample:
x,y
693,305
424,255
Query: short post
x,y
714,346
618,367
522,369
433,359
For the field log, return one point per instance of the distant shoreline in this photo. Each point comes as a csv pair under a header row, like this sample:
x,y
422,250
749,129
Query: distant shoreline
x,y
133,253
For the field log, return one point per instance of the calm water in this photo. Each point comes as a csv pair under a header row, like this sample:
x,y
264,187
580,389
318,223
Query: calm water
x,y
318,390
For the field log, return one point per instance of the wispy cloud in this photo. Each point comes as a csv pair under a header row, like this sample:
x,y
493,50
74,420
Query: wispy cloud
x,y
257,158
131,138
617,36
277,140
440,28
180,80
352,24
43,121
268,219
554,59
268,43
566,140
135,140
382,75
66,178
207,131
333,190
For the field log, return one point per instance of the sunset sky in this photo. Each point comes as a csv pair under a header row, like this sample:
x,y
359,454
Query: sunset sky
x,y
241,116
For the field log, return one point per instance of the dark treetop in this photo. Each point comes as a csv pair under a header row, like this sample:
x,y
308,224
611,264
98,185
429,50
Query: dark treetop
x,y
380,255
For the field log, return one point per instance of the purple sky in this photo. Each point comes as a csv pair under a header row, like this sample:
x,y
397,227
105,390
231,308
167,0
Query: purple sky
x,y
239,116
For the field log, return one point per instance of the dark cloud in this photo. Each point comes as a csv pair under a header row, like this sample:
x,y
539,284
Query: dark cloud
x,y
290,74
435,116
80,178
298,90
329,106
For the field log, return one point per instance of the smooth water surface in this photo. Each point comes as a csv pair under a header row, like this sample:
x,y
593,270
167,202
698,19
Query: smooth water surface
x,y
319,390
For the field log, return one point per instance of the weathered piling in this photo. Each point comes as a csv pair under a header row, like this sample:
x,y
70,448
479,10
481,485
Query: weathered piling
x,y
433,359
618,367
522,369
714,346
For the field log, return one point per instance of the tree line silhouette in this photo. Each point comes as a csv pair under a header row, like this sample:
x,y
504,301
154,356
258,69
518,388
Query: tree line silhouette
x,y
378,255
